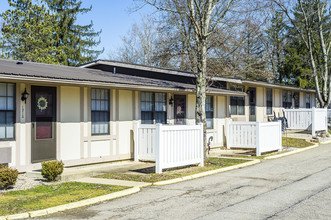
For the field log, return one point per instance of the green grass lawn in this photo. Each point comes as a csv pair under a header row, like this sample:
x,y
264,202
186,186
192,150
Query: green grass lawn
x,y
295,142
46,196
150,177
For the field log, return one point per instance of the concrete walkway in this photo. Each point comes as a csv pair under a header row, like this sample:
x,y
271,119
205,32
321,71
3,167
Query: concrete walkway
x,y
113,182
79,172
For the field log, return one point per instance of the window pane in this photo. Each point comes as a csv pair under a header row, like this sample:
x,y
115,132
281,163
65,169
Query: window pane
x,y
307,100
209,103
233,105
97,93
10,132
3,103
102,94
160,117
43,130
160,102
93,93
209,115
3,89
209,123
93,105
2,118
10,89
241,106
93,128
10,103
269,101
147,117
2,132
102,105
9,118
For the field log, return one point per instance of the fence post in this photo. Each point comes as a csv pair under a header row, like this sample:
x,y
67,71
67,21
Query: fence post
x,y
313,133
202,147
227,125
326,120
280,135
158,148
258,147
136,141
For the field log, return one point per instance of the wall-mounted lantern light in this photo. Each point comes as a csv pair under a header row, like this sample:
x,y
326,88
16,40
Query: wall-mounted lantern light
x,y
25,96
171,101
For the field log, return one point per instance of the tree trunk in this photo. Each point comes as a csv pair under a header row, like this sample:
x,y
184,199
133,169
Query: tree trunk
x,y
200,111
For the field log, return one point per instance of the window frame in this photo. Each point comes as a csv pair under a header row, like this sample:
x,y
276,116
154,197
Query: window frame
x,y
100,111
237,100
153,112
269,103
210,111
12,111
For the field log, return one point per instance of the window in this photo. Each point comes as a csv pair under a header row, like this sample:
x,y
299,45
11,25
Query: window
x,y
209,111
269,101
307,100
237,105
296,97
153,108
287,99
100,111
7,111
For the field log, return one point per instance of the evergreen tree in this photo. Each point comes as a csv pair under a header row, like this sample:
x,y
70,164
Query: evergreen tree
x,y
297,65
276,37
253,53
27,32
75,42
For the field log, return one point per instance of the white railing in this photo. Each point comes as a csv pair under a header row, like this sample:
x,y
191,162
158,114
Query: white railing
x,y
262,136
169,145
314,119
145,148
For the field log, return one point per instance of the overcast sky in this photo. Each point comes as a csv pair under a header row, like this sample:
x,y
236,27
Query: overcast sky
x,y
112,16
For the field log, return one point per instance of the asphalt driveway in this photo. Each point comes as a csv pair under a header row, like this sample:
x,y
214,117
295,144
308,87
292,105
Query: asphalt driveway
x,y
293,187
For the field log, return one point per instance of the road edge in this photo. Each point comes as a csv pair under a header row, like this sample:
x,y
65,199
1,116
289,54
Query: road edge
x,y
207,173
72,205
291,152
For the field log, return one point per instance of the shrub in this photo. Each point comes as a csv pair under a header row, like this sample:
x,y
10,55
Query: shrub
x,y
8,176
51,169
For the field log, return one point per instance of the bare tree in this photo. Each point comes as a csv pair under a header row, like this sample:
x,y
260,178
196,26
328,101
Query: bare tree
x,y
201,19
314,23
139,44
204,16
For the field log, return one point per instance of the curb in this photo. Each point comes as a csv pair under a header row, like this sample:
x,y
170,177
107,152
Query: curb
x,y
291,152
326,142
207,173
73,205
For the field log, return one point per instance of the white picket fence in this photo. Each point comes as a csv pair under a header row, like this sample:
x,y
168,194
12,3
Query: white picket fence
x,y
314,119
262,136
169,145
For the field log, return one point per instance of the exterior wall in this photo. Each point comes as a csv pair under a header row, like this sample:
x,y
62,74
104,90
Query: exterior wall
x,y
277,102
190,109
75,143
261,109
302,99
